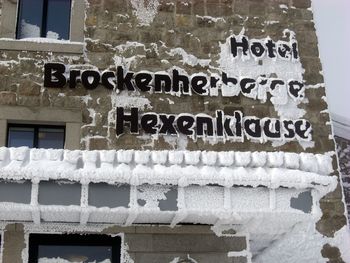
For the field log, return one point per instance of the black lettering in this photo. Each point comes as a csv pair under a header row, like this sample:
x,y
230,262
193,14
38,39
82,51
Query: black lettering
x,y
90,79
149,122
204,121
107,81
288,129
236,121
257,49
168,124
252,127
142,81
303,129
162,82
214,81
275,83
199,84
235,44
284,51
73,75
132,118
270,48
219,121
185,124
272,128
247,85
124,81
180,83
296,89
54,75
238,116
214,85
226,80
295,50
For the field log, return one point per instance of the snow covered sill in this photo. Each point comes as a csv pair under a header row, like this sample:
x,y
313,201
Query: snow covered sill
x,y
183,168
42,44
174,175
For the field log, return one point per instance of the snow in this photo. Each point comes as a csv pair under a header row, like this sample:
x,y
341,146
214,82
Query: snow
x,y
285,106
44,40
163,168
179,260
150,176
28,30
61,260
189,59
211,19
52,35
209,158
304,239
145,11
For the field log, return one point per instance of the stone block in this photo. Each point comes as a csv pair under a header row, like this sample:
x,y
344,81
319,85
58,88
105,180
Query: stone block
x,y
197,243
198,7
302,3
170,257
239,260
98,144
183,7
257,9
8,98
14,243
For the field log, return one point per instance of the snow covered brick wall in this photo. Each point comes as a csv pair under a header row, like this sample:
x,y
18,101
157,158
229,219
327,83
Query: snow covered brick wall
x,y
343,148
203,76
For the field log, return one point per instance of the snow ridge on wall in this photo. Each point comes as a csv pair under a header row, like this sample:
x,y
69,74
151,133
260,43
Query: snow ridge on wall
x,y
24,157
182,168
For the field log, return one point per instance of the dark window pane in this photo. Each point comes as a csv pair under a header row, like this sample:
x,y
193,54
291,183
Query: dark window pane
x,y
30,18
21,136
58,19
74,248
15,191
76,253
51,138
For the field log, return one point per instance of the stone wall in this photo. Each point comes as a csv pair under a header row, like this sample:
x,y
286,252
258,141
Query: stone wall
x,y
149,244
110,25
343,149
115,36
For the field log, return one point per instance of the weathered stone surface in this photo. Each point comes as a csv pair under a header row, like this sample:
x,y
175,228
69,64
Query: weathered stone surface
x,y
14,243
115,37
332,253
8,98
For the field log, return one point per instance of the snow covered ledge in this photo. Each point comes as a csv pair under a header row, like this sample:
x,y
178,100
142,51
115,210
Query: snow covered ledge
x,y
172,187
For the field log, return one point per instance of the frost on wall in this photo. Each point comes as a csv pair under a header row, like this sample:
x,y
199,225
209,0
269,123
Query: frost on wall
x,y
145,10
248,64
282,74
343,149
61,260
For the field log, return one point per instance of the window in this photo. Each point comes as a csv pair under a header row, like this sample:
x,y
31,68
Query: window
x,y
35,136
23,20
74,248
44,18
68,119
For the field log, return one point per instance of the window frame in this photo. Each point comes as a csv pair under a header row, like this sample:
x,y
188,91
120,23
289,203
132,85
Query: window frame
x,y
35,240
36,128
70,118
43,26
8,31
